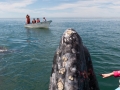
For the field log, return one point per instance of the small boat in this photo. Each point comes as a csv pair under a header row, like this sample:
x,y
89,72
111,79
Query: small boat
x,y
45,24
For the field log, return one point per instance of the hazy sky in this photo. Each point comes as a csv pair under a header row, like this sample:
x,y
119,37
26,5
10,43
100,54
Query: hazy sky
x,y
59,8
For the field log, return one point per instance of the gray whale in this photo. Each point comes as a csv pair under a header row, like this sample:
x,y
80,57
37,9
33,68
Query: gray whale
x,y
3,49
72,66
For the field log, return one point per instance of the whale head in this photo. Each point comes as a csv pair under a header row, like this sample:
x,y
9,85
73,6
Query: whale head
x,y
72,66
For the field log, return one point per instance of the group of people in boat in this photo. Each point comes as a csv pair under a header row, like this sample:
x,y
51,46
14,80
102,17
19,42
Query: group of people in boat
x,y
33,21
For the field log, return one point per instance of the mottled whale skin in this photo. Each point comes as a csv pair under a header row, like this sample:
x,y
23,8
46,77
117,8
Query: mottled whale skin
x,y
72,66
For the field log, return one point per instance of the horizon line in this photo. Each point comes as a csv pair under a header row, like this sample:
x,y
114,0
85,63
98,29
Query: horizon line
x,y
53,17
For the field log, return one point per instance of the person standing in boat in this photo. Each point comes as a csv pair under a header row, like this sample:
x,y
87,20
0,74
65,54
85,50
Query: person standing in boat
x,y
114,73
44,19
27,19
33,21
38,20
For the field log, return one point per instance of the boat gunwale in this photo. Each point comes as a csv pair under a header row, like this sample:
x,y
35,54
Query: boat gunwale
x,y
39,23
35,25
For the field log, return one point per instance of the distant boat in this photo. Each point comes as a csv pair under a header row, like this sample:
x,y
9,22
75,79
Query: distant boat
x,y
45,24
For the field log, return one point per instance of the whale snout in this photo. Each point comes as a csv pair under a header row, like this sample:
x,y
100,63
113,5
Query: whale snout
x,y
70,36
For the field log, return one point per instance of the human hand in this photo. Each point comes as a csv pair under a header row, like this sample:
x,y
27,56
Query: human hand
x,y
107,75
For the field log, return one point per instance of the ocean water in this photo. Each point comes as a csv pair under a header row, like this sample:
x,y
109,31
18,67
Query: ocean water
x,y
27,64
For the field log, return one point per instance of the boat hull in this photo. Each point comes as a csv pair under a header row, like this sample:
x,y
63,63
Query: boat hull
x,y
39,25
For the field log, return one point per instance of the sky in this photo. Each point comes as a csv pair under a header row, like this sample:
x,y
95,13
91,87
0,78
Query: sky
x,y
59,8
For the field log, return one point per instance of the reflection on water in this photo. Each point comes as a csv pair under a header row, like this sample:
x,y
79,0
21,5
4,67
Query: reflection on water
x,y
36,35
37,30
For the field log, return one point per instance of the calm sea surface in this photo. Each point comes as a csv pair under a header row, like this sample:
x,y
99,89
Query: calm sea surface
x,y
27,64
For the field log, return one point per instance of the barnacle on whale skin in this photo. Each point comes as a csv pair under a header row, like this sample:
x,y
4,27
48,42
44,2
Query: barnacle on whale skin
x,y
62,70
71,78
64,58
60,84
